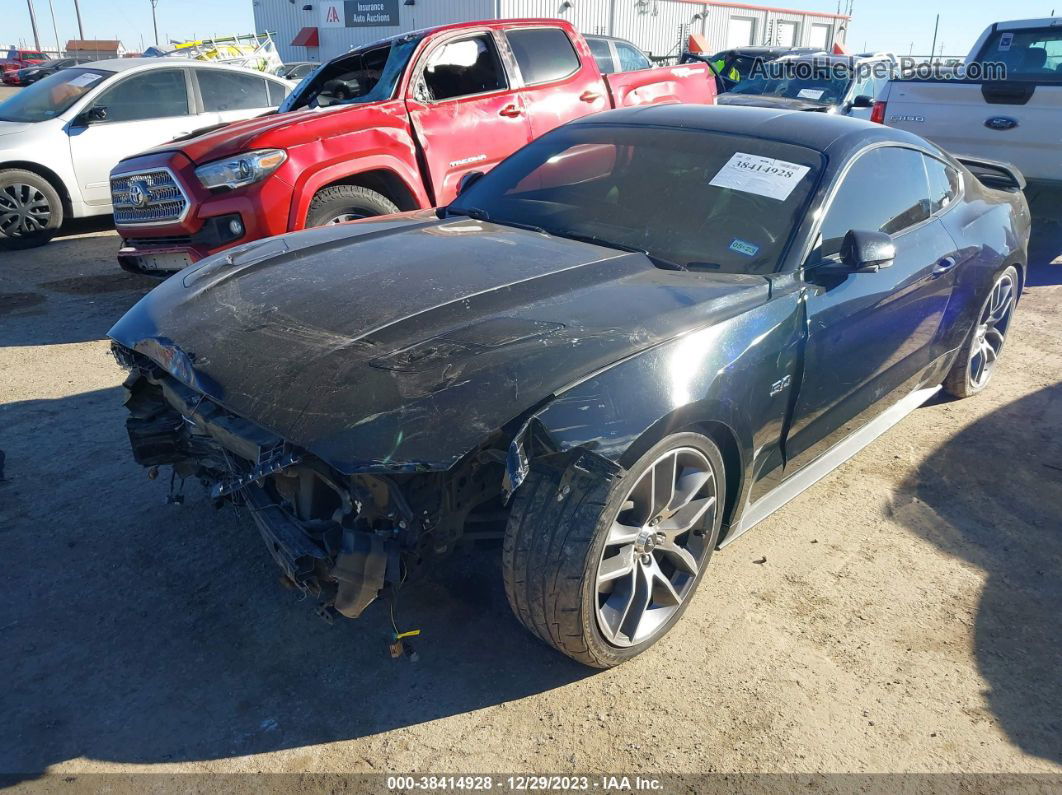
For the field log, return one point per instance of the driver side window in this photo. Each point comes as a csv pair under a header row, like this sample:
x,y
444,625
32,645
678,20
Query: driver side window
x,y
462,68
885,190
158,94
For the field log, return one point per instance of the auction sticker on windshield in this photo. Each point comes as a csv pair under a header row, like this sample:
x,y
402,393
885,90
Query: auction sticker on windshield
x,y
764,176
810,93
84,79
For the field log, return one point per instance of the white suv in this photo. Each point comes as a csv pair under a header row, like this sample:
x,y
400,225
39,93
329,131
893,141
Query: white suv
x,y
61,136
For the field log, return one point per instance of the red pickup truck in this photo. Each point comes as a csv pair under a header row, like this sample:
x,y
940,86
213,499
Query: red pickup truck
x,y
15,59
388,127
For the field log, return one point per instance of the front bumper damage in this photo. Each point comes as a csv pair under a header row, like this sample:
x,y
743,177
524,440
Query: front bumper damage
x,y
342,540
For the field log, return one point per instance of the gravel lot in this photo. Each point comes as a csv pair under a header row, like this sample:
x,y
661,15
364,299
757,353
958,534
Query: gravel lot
x,y
906,618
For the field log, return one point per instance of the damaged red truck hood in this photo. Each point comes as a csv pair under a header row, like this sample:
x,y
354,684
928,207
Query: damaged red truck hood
x,y
274,130
403,343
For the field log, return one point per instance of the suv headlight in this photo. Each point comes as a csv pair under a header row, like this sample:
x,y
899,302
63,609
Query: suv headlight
x,y
241,170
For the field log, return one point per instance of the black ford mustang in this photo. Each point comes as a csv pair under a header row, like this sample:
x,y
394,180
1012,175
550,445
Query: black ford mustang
x,y
627,344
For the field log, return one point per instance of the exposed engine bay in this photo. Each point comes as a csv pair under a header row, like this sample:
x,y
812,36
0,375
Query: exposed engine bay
x,y
341,539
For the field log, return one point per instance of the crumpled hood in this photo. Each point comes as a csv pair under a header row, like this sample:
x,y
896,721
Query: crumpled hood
x,y
403,343
781,103
272,130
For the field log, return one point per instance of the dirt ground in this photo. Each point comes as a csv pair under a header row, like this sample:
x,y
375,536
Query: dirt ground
x,y
906,618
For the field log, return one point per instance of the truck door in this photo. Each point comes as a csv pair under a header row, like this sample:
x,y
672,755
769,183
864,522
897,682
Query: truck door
x,y
871,336
463,112
557,86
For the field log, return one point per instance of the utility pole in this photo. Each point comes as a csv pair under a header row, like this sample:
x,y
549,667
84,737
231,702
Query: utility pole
x,y
80,30
33,24
154,22
933,49
55,30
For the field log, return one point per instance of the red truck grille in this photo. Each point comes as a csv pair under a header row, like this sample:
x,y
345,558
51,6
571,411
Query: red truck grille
x,y
147,197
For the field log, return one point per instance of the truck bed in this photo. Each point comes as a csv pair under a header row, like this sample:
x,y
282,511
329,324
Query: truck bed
x,y
684,83
1019,122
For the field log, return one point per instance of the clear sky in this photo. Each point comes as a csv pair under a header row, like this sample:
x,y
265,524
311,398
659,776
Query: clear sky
x,y
896,25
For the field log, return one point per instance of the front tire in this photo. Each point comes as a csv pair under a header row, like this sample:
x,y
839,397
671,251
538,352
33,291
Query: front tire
x,y
31,210
977,359
604,572
341,203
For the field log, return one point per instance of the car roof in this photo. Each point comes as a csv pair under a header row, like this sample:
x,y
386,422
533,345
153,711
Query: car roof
x,y
830,58
607,38
823,132
125,64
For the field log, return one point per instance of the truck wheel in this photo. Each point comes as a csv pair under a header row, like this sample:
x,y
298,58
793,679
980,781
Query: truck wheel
x,y
977,358
31,211
342,203
602,573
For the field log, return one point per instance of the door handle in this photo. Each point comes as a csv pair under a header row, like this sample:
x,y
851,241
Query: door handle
x,y
944,265
510,111
589,96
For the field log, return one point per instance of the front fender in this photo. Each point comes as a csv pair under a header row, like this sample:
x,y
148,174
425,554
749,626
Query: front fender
x,y
724,376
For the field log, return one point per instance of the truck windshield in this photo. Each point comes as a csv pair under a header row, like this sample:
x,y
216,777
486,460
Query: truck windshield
x,y
1034,54
824,84
687,198
366,75
52,96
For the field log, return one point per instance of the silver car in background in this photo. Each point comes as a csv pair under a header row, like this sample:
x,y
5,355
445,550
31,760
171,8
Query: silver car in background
x,y
61,136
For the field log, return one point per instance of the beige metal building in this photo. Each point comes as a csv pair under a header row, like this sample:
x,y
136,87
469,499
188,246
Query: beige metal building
x,y
313,30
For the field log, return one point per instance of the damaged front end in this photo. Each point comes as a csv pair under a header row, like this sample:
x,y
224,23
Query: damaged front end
x,y
342,539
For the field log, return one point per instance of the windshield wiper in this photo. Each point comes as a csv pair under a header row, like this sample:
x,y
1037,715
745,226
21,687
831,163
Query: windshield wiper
x,y
482,215
657,261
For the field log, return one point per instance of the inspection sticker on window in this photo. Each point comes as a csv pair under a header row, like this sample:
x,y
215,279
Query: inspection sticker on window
x,y
764,176
84,79
1005,41
810,93
743,247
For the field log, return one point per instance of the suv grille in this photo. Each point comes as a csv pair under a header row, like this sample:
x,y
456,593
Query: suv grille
x,y
148,197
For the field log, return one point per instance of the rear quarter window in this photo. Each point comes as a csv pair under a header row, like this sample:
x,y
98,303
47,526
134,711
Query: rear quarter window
x,y
543,54
1027,54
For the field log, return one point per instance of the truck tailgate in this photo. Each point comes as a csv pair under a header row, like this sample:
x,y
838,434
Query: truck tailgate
x,y
692,83
956,116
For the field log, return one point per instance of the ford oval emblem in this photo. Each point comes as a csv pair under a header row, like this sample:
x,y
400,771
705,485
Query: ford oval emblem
x,y
1001,123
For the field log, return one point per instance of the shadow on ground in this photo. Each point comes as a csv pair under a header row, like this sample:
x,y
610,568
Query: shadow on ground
x,y
992,496
136,631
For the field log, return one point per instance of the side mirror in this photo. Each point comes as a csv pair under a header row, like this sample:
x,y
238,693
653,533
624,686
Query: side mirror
x,y
867,252
95,114
467,181
863,101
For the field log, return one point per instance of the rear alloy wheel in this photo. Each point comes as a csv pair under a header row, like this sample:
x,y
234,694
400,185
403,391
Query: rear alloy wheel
x,y
31,211
603,574
341,203
977,361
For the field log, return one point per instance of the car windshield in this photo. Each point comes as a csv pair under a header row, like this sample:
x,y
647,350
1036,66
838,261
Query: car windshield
x,y
366,75
686,198
51,96
823,83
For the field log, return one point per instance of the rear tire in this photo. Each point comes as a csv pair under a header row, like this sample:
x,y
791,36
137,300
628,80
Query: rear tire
x,y
976,363
341,203
31,210
568,573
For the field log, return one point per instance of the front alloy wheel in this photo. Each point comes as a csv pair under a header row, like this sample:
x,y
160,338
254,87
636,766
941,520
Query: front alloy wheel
x,y
603,569
655,548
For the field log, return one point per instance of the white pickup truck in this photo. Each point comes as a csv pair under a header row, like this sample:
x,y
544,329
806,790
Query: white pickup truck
x,y
1017,119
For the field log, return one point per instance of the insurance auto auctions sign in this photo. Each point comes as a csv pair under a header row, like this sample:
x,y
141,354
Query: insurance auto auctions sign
x,y
359,14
